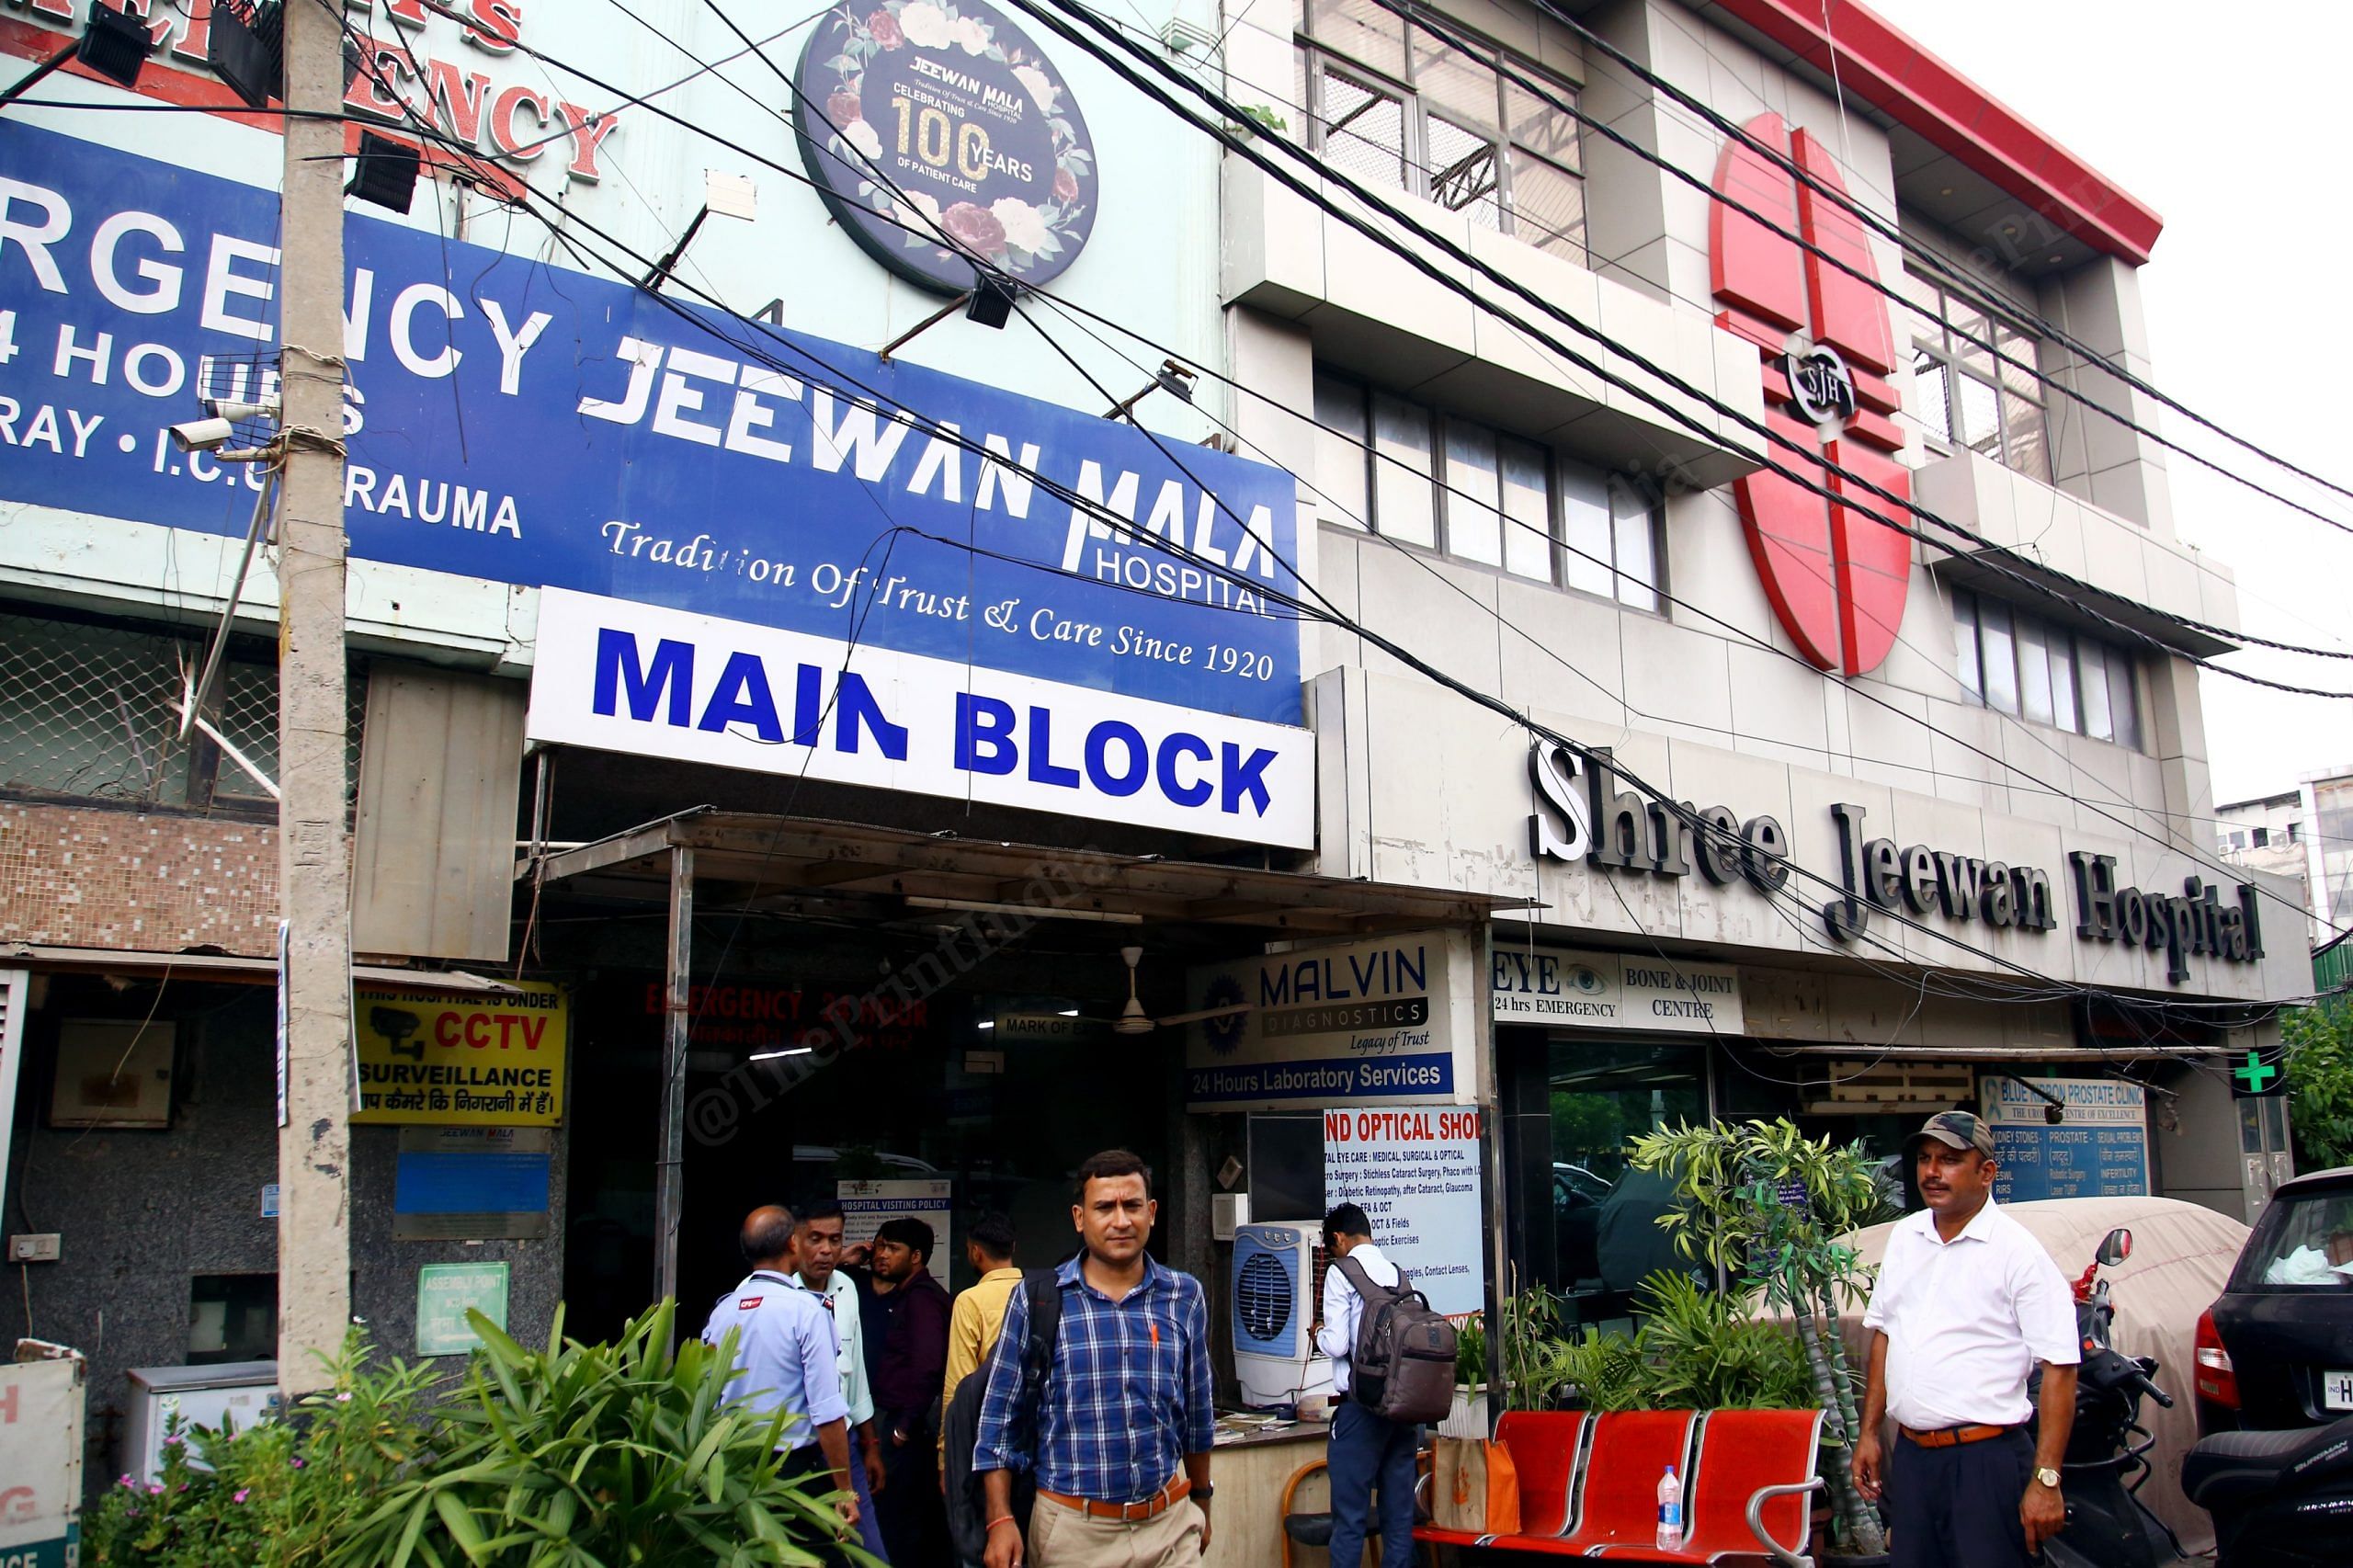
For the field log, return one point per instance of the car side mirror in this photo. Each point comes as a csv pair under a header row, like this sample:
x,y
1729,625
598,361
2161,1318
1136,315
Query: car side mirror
x,y
2115,1248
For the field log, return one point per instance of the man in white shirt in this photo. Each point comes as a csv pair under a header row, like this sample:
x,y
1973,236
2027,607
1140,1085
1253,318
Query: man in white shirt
x,y
1967,1303
819,1242
1368,1452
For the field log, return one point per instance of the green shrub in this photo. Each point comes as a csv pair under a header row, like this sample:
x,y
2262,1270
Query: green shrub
x,y
583,1456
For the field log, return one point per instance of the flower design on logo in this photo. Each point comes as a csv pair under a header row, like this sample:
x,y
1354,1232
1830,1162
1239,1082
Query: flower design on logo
x,y
975,226
1042,91
884,27
862,136
971,36
927,27
842,107
1024,225
1837,576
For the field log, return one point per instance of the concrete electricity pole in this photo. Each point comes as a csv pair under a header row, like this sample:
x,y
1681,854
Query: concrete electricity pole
x,y
314,859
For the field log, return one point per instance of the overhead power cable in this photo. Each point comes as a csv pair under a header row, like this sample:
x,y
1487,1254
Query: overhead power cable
x,y
1994,558
1991,557
2042,326
2133,827
1454,33
1691,820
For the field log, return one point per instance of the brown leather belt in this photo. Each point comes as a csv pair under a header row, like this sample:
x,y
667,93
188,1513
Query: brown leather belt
x,y
1160,1502
1946,1436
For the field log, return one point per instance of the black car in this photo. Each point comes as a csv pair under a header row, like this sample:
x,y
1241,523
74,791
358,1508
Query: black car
x,y
2276,1351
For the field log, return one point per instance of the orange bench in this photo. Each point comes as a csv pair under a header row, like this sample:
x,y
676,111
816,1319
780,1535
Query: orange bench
x,y
1588,1485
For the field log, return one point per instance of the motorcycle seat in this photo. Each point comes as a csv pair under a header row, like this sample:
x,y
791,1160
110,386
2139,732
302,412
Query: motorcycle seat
x,y
2231,1469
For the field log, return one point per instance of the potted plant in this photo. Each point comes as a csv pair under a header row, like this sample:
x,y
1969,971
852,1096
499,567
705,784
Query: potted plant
x,y
1767,1204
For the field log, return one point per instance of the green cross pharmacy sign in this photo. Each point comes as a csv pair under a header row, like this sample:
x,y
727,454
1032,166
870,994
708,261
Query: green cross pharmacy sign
x,y
2259,1075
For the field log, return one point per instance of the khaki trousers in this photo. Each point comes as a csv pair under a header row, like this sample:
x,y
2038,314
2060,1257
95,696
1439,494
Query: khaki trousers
x,y
1065,1538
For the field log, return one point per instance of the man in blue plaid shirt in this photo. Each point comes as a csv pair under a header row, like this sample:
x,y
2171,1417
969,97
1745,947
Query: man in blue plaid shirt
x,y
1120,1442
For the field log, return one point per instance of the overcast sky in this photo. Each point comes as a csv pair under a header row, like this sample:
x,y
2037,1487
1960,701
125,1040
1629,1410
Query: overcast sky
x,y
2230,122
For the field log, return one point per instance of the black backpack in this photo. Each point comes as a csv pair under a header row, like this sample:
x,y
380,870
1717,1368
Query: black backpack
x,y
967,1496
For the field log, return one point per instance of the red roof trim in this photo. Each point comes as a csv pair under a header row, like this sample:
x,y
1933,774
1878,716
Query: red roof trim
x,y
1893,74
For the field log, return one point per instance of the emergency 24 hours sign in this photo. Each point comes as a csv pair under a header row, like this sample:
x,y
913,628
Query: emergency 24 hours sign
x,y
433,1058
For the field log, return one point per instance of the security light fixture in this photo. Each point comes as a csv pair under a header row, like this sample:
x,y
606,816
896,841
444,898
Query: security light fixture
x,y
1171,378
246,48
113,45
990,301
384,171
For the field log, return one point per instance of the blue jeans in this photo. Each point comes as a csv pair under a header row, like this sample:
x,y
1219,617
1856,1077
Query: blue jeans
x,y
1369,1454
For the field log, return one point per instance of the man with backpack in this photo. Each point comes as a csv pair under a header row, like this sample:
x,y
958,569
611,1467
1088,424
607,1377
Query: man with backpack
x,y
1111,1413
1370,1452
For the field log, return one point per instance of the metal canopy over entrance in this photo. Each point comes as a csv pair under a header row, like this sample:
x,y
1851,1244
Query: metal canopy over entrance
x,y
793,866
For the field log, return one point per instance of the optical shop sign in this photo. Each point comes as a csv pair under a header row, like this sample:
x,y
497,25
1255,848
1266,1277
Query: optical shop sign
x,y
1374,1022
792,498
1415,1175
1610,990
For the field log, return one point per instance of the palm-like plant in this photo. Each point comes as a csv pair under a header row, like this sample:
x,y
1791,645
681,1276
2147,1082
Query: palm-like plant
x,y
1768,1204
598,1456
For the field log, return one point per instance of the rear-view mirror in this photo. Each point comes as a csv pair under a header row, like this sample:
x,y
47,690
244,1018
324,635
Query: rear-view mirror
x,y
2116,1246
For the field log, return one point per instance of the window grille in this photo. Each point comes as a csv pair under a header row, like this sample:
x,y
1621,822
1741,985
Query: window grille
x,y
89,711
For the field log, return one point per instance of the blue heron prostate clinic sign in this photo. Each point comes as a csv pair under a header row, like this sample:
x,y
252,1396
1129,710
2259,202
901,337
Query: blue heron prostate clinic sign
x,y
2099,1148
765,550
937,134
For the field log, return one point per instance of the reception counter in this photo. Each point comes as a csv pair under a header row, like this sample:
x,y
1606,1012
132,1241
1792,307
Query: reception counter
x,y
1249,1469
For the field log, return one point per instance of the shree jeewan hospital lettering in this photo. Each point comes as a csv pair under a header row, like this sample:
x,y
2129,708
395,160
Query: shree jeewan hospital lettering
x,y
510,421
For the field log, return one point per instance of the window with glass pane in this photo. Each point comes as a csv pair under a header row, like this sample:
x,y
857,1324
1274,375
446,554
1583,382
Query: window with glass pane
x,y
2034,670
1364,132
1974,380
1528,520
1630,526
2000,654
2122,710
1586,533
1467,125
2063,681
2091,666
1340,451
1473,526
1402,494
1964,633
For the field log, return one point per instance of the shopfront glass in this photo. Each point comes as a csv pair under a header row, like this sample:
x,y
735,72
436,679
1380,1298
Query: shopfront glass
x,y
1605,1235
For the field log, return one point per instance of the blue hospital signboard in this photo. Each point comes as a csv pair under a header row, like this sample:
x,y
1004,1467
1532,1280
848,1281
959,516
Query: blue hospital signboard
x,y
2099,1149
700,492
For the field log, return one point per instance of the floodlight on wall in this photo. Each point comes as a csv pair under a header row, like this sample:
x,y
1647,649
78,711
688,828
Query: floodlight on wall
x,y
1171,378
990,301
384,171
246,48
113,45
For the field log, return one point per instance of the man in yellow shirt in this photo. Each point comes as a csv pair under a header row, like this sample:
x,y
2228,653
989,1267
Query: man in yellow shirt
x,y
978,1312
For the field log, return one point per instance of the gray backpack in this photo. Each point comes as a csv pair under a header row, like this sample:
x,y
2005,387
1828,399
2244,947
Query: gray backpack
x,y
1402,1365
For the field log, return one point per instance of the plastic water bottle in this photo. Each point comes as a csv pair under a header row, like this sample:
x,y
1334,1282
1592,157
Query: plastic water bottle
x,y
1670,1512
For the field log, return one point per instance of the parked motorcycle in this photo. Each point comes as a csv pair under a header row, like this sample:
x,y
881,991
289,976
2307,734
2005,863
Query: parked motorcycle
x,y
2107,1449
2279,1499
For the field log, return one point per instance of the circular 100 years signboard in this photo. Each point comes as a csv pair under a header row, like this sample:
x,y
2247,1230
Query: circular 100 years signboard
x,y
967,119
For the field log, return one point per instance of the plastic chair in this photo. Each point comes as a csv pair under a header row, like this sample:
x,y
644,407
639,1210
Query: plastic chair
x,y
1308,1529
1544,1447
1630,1449
1743,1454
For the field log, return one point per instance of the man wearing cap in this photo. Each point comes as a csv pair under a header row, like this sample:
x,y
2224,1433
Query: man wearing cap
x,y
1967,1303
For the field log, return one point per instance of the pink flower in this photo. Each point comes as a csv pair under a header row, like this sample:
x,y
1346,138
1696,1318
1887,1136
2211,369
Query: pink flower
x,y
1065,185
884,27
154,1489
295,1463
975,227
344,1398
240,1496
842,107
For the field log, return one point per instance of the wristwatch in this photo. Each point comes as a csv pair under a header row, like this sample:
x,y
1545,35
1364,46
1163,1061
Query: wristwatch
x,y
1203,1492
2048,1476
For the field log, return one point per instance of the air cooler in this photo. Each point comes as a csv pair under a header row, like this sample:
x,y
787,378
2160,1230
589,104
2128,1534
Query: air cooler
x,y
1273,1310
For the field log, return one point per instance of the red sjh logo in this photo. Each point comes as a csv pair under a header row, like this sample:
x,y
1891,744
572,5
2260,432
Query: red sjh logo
x,y
1837,577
